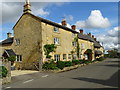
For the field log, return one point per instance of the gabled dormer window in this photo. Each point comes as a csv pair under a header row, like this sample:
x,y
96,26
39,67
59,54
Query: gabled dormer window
x,y
56,29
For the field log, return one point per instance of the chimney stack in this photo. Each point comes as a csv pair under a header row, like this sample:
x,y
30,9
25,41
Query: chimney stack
x,y
64,23
27,7
89,34
81,31
95,39
9,35
73,27
93,36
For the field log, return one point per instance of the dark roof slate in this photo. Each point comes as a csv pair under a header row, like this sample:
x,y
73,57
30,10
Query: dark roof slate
x,y
87,37
10,52
7,41
48,22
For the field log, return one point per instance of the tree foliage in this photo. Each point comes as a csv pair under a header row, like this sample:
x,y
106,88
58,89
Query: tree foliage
x,y
48,48
113,53
12,58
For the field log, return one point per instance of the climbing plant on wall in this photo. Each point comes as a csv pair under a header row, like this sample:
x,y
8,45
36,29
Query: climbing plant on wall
x,y
48,48
77,46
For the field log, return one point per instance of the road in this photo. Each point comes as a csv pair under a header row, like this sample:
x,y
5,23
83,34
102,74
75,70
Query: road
x,y
98,75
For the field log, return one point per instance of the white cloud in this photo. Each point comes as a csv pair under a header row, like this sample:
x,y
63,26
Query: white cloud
x,y
110,39
41,12
11,11
95,20
71,17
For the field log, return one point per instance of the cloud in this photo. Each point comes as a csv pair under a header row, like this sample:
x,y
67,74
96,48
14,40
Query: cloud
x,y
41,12
71,17
110,39
11,11
95,20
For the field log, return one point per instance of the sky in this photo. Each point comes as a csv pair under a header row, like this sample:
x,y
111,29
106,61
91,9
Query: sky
x,y
98,18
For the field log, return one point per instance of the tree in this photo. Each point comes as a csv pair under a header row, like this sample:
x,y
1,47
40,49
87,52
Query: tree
x,y
48,48
113,53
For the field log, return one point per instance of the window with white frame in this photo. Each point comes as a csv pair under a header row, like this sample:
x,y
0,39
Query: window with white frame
x,y
56,29
64,56
19,58
69,56
82,45
74,44
74,56
17,41
57,57
56,41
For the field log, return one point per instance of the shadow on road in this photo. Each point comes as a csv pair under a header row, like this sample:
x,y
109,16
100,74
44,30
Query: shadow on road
x,y
112,81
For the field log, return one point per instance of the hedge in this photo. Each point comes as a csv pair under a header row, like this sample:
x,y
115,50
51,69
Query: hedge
x,y
68,63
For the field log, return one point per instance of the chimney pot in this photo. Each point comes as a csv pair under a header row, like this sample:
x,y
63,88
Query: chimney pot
x,y
9,35
81,31
95,39
64,23
89,34
93,36
73,27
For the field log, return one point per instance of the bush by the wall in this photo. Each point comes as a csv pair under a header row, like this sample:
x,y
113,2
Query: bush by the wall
x,y
100,59
49,66
87,62
75,62
12,58
60,64
68,63
81,61
3,71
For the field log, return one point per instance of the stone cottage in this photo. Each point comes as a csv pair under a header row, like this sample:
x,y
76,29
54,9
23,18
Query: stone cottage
x,y
31,33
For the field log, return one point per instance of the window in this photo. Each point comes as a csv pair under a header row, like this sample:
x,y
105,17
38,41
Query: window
x,y
74,56
17,41
69,56
64,56
74,44
56,41
19,58
82,45
56,29
57,57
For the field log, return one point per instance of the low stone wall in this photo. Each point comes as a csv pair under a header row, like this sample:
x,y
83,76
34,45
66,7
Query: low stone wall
x,y
7,79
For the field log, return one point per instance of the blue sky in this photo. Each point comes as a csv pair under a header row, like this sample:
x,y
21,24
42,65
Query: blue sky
x,y
75,12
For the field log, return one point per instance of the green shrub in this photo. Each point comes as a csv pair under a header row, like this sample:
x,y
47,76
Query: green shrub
x,y
87,62
100,59
12,58
68,63
3,71
81,61
60,64
49,66
75,62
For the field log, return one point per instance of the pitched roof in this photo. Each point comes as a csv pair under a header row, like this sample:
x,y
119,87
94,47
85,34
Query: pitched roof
x,y
7,41
85,37
48,22
10,52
